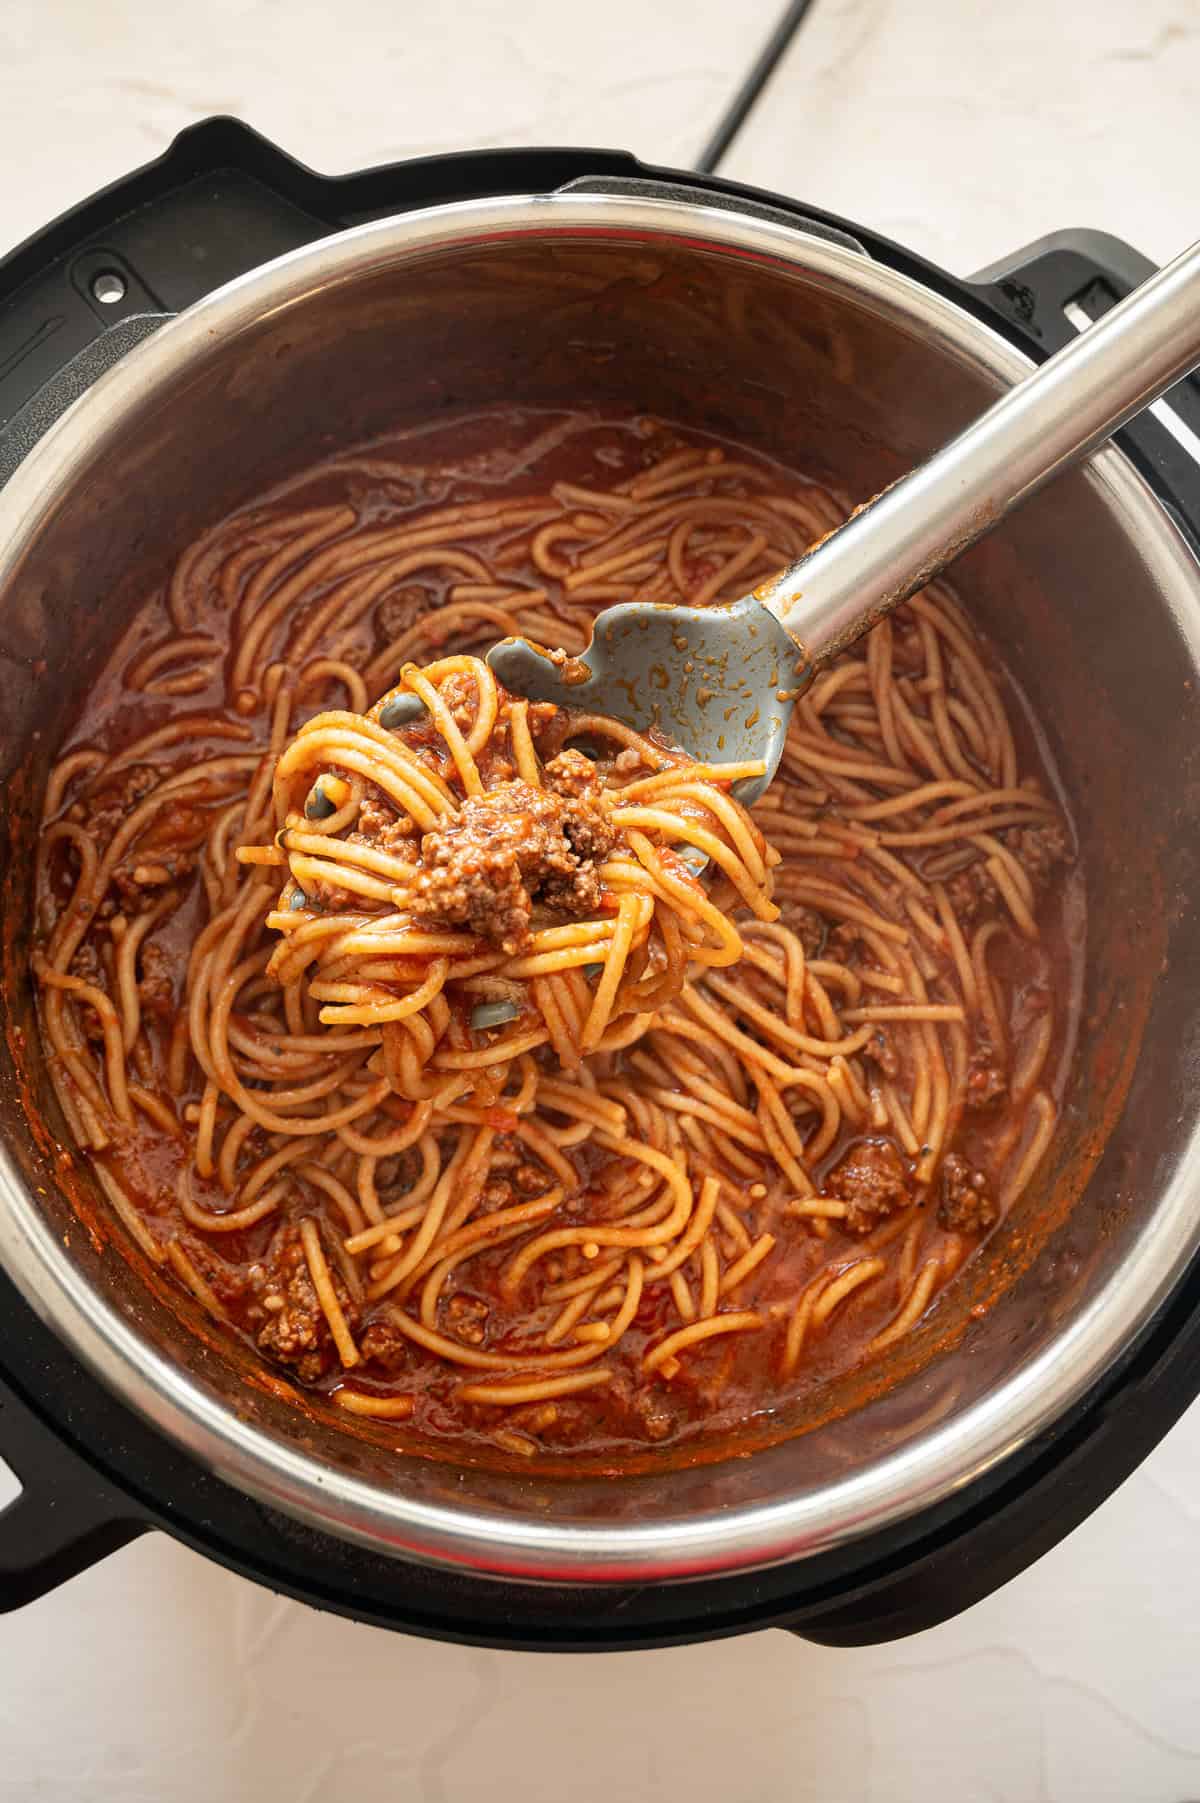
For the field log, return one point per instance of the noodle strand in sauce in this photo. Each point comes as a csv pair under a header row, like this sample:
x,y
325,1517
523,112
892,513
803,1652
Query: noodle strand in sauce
x,y
601,1175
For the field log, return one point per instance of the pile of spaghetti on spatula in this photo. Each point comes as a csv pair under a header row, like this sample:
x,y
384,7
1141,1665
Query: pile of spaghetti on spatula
x,y
495,876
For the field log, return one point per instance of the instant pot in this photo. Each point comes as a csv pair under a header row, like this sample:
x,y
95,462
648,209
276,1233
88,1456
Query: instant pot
x,y
224,316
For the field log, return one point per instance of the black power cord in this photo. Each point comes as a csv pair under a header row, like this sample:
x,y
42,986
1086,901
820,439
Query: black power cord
x,y
735,113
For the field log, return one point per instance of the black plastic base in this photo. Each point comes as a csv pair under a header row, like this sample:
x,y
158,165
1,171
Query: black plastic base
x,y
96,1476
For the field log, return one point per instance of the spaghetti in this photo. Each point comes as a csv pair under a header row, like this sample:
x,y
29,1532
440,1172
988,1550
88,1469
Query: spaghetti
x,y
416,859
420,1054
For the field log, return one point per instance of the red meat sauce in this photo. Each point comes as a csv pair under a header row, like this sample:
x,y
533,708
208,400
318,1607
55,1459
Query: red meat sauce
x,y
260,1275
513,847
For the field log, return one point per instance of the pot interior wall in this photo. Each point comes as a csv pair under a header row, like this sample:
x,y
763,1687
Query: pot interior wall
x,y
831,385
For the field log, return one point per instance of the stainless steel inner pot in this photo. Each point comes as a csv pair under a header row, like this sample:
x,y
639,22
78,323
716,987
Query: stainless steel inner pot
x,y
816,355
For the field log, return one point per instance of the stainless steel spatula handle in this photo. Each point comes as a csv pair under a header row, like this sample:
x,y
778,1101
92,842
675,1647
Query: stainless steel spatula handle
x,y
1055,417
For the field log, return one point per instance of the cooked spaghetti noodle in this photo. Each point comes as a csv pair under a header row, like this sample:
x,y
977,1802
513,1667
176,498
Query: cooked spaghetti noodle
x,y
419,1053
477,868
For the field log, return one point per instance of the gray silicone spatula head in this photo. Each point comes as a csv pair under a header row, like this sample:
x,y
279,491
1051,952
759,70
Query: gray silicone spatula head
x,y
716,682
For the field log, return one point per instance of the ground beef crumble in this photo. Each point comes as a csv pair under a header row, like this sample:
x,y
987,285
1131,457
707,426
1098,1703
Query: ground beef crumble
x,y
971,892
872,1178
656,1411
512,847
987,1083
572,775
163,856
293,1328
808,926
966,1206
400,611
112,802
156,985
86,963
383,826
382,1343
461,696
1042,850
466,1318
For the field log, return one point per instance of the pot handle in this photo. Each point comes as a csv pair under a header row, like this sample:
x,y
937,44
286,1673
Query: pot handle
x,y
1051,291
65,1517
642,188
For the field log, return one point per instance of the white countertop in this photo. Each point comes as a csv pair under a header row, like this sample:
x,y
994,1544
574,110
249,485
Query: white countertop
x,y
964,130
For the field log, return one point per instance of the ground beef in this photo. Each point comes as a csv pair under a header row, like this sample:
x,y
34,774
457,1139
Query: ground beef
x,y
986,1079
400,611
383,826
573,775
461,695
110,805
294,1330
843,939
548,725
87,963
652,1411
164,856
1042,850
507,849
585,822
966,1206
466,1319
496,1193
531,1180
156,985
229,1283
808,926
176,828
873,1179
382,1343
971,892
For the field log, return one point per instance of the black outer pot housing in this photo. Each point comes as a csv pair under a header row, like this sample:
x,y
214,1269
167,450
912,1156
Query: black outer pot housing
x,y
221,201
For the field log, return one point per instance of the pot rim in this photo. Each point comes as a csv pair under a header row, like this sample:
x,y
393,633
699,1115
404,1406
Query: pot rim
x,y
904,1482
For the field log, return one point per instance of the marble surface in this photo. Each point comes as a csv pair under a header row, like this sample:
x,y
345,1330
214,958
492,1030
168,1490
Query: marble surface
x,y
968,130
965,130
